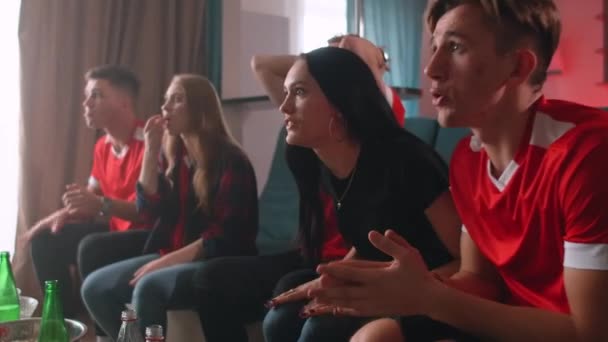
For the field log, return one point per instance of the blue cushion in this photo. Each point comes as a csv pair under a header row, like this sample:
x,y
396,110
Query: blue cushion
x,y
423,128
278,205
446,141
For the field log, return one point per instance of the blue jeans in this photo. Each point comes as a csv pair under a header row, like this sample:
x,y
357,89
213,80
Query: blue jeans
x,y
106,291
88,245
284,324
231,292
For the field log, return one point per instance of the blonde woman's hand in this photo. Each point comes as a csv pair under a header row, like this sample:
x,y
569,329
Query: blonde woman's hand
x,y
153,132
164,261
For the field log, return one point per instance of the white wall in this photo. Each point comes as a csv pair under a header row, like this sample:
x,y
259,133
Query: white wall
x,y
311,22
284,8
248,29
9,130
581,77
321,20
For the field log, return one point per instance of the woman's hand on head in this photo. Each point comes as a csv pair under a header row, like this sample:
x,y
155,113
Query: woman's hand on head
x,y
367,51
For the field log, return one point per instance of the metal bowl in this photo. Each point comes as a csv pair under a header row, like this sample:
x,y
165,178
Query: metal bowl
x,y
26,330
27,306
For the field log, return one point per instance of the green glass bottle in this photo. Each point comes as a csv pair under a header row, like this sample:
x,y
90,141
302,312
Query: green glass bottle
x,y
9,298
52,327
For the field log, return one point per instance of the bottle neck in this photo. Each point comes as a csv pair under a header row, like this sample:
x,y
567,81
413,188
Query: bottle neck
x,y
5,265
128,316
7,280
51,308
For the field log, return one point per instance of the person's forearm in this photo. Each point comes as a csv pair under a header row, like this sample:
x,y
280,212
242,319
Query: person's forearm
x,y
148,177
496,321
277,65
189,252
473,284
69,218
271,71
352,254
124,210
447,270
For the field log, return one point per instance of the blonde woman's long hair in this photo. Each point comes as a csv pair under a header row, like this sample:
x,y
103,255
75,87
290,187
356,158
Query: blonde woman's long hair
x,y
208,140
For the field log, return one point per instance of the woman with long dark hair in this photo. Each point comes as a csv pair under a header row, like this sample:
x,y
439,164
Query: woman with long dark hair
x,y
356,171
344,142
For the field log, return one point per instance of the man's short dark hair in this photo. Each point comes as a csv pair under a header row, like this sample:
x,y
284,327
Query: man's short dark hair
x,y
119,76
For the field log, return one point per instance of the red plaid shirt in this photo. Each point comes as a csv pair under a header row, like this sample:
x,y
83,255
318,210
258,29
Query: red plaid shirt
x,y
228,228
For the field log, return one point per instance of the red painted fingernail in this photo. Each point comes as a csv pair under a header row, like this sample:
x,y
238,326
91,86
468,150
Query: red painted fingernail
x,y
304,313
270,304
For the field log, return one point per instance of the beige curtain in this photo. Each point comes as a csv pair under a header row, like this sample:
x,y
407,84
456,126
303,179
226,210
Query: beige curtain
x,y
59,41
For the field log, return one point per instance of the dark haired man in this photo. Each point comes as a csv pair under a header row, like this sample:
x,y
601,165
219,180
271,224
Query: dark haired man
x,y
74,234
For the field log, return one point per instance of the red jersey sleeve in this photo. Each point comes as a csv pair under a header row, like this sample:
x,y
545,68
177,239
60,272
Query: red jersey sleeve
x,y
398,108
584,199
97,168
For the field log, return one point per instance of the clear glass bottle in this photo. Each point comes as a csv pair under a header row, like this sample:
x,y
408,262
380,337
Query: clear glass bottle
x,y
9,298
129,330
154,333
52,327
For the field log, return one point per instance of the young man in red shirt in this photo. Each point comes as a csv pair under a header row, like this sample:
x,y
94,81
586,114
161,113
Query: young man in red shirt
x,y
73,234
529,186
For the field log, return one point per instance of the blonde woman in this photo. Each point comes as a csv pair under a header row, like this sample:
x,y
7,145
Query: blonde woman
x,y
203,202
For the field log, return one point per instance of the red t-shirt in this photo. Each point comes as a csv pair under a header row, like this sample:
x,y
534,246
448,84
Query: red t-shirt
x,y
547,210
395,101
115,174
334,247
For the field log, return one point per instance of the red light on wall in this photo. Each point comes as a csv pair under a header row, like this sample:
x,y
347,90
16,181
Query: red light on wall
x,y
556,66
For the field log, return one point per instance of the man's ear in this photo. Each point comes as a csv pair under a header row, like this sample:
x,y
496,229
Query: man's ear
x,y
525,64
126,101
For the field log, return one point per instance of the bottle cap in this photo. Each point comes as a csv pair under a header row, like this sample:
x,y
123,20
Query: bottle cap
x,y
129,315
154,331
50,285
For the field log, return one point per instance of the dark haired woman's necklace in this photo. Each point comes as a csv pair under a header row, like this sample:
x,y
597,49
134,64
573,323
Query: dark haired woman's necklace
x,y
350,181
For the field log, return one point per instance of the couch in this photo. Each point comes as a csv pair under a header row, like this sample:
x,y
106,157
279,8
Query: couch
x,y
444,140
